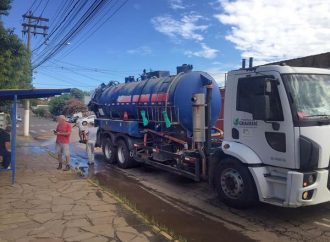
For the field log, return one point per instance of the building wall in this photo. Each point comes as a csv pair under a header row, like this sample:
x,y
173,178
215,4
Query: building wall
x,y
319,61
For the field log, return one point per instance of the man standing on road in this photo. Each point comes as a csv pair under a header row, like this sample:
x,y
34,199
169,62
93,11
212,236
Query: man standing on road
x,y
63,132
82,130
90,145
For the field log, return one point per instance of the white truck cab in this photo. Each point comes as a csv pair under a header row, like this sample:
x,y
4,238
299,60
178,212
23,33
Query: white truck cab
x,y
277,123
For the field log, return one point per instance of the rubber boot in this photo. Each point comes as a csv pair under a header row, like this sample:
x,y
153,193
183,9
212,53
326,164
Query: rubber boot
x,y
59,166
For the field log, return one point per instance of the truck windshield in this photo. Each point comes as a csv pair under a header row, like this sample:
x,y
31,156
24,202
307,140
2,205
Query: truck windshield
x,y
310,94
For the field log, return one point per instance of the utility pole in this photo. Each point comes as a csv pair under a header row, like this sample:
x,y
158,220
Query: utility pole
x,y
31,25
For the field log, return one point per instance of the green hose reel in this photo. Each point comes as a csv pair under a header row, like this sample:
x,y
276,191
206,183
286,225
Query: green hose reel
x,y
144,118
166,119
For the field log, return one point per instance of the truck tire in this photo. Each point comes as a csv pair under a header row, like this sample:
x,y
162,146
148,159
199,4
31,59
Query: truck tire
x,y
124,160
84,123
235,185
109,151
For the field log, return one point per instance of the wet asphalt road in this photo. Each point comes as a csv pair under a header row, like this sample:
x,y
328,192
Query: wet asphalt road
x,y
193,211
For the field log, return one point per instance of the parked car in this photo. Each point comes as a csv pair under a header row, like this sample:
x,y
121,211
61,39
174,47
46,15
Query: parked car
x,y
18,118
86,120
72,119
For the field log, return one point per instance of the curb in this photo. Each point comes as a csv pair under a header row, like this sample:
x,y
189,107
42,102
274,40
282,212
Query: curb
x,y
126,206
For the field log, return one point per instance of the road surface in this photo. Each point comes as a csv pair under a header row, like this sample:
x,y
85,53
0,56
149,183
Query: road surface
x,y
192,209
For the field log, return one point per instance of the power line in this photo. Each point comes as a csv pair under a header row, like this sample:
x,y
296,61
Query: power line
x,y
58,26
36,9
65,81
88,15
34,2
94,69
90,35
59,36
44,8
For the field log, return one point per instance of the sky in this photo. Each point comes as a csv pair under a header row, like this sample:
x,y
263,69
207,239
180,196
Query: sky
x,y
212,35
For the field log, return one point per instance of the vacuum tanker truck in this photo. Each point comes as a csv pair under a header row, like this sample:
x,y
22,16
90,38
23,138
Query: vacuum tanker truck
x,y
274,148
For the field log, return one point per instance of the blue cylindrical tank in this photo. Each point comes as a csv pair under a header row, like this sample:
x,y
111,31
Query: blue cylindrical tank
x,y
171,93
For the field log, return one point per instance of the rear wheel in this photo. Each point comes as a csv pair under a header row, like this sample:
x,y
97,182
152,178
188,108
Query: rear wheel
x,y
235,184
109,151
123,154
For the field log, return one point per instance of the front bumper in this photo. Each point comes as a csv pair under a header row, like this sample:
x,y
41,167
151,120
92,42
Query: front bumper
x,y
320,189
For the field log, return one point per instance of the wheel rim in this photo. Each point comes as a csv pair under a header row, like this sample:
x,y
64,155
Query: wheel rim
x,y
232,183
121,156
107,151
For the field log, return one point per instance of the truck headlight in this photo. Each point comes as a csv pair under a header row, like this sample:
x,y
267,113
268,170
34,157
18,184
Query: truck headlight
x,y
307,195
309,179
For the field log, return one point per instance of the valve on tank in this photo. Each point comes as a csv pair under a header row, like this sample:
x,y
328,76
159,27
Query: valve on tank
x,y
184,68
129,79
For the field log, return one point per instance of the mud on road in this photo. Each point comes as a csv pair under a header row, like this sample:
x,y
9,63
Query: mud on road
x,y
193,211
193,227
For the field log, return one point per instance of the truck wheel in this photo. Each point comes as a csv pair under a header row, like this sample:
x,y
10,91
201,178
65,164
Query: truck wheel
x,y
109,151
84,123
123,154
235,184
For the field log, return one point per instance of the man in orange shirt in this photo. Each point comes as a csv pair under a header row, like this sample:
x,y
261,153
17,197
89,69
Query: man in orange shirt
x,y
63,131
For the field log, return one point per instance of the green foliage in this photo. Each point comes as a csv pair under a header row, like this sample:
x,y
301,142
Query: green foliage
x,y
56,105
40,112
73,106
15,67
68,103
4,6
77,93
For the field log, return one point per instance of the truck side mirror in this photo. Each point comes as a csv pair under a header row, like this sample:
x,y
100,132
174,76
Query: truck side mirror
x,y
261,107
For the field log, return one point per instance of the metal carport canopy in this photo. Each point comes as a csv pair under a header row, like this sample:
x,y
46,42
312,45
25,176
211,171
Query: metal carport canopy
x,y
14,95
8,94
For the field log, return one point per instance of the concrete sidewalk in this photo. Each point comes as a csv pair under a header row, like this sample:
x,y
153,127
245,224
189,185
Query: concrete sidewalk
x,y
50,205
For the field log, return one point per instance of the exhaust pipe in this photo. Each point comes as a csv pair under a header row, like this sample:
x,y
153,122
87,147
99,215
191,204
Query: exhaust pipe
x,y
250,62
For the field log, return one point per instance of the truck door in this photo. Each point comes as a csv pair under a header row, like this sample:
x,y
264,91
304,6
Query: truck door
x,y
259,121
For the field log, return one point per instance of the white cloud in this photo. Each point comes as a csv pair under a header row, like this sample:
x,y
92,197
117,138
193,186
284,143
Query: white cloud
x,y
206,52
275,30
142,50
187,27
218,74
176,4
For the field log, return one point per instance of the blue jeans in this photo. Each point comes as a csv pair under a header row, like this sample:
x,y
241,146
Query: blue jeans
x,y
6,157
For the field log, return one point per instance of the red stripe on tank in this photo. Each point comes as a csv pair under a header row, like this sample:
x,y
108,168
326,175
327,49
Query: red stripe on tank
x,y
144,98
135,98
124,99
159,97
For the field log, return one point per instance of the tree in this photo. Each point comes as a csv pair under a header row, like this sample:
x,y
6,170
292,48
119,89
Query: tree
x,y
77,93
56,105
15,67
40,112
4,6
73,106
